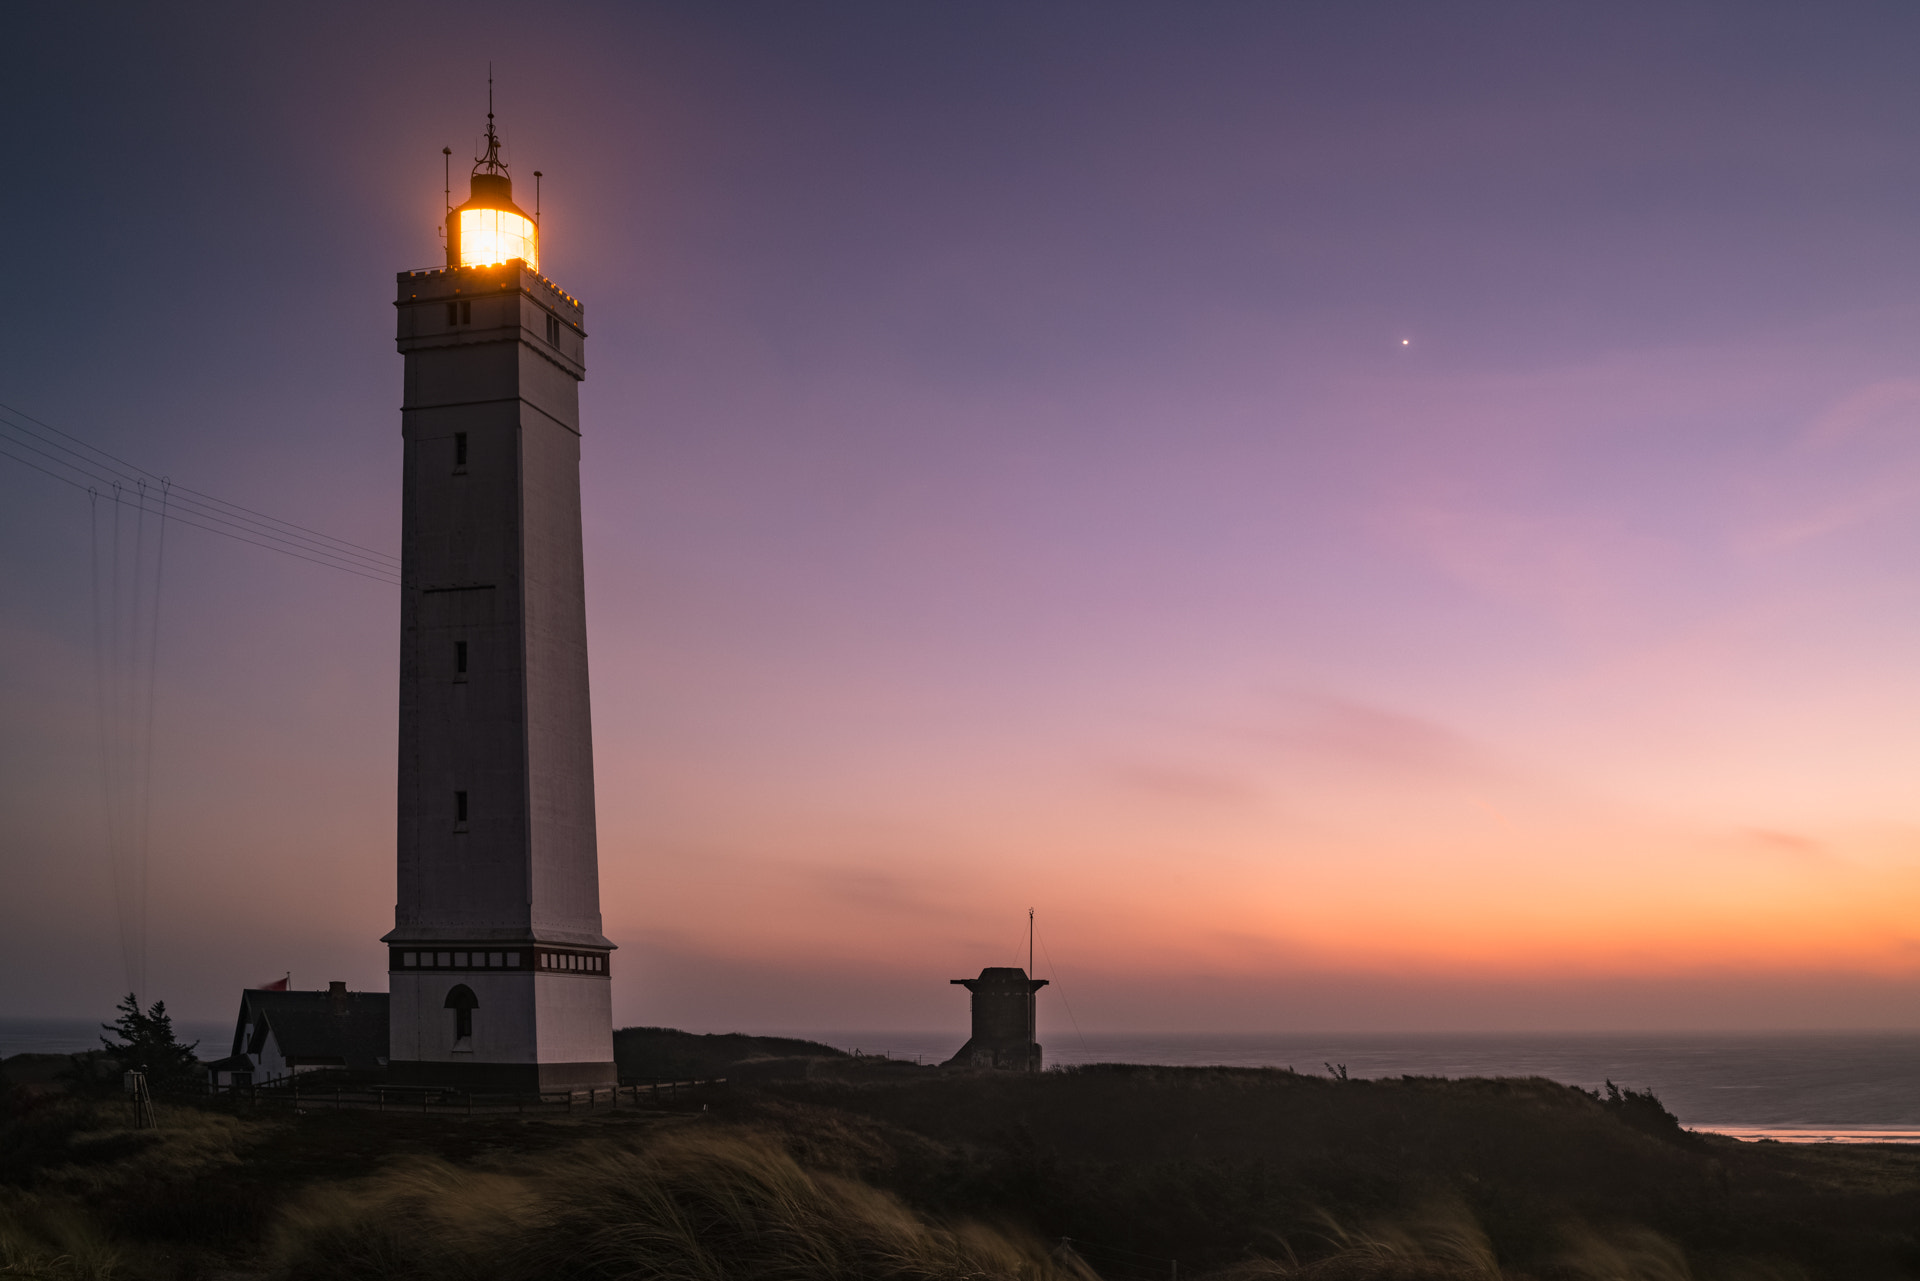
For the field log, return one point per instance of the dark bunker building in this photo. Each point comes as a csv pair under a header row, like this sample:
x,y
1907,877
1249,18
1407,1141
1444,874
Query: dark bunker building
x,y
1004,1005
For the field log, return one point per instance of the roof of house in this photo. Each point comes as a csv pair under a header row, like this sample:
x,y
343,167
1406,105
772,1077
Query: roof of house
x,y
338,1029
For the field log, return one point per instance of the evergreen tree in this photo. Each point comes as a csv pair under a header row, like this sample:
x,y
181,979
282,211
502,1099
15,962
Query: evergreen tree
x,y
147,1044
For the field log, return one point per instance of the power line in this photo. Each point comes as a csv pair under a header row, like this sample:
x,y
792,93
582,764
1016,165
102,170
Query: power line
x,y
231,527
126,632
1055,971
392,581
214,515
219,502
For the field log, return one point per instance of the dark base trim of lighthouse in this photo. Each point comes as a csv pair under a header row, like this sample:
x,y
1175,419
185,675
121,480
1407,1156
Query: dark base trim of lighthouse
x,y
504,1078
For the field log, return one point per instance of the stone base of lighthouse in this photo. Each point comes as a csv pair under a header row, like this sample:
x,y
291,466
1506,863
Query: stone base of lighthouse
x,y
501,1029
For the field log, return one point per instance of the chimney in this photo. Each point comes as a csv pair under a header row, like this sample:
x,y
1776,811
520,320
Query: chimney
x,y
337,997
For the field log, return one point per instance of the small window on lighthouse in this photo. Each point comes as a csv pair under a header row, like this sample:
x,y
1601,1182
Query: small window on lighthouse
x,y
453,314
466,313
459,807
459,449
553,331
460,658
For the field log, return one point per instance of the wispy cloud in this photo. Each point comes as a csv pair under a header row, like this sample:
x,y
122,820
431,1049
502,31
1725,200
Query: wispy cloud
x,y
1858,462
1790,847
1577,570
1364,735
1182,784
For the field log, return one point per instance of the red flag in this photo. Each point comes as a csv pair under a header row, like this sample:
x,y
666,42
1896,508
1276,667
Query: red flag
x,y
278,985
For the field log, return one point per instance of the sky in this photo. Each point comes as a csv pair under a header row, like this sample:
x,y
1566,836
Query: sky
x,y
1385,517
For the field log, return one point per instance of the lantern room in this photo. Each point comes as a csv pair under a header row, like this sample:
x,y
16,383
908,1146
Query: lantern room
x,y
490,228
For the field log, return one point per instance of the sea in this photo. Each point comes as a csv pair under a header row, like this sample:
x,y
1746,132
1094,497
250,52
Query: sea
x,y
1796,1087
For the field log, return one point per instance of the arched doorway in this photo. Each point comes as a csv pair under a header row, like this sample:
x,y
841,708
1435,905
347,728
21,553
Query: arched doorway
x,y
463,1003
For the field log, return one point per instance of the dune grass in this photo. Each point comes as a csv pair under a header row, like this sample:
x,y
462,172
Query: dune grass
x,y
1098,1175
700,1204
53,1238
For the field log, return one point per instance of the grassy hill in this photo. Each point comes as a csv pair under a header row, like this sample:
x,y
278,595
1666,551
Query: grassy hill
x,y
667,1054
861,1169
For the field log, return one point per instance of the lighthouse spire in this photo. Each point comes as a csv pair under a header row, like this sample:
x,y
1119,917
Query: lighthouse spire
x,y
491,162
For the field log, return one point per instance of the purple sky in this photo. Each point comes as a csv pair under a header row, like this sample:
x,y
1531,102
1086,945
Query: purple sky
x,y
1366,516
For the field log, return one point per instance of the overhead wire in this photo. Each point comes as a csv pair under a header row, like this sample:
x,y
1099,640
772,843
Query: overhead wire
x,y
392,581
126,625
1055,971
146,732
221,502
186,506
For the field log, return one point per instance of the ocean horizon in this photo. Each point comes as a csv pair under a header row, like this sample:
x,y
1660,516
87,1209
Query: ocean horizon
x,y
1789,1086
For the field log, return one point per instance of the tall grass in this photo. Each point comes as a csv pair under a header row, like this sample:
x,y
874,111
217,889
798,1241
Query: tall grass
x,y
1445,1242
694,1205
53,1240
1440,1242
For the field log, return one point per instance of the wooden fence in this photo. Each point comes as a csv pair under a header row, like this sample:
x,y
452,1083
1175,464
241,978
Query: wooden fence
x,y
432,1100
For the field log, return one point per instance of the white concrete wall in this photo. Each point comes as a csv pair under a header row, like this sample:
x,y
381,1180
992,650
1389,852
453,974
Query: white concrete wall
x,y
493,556
576,1018
270,1066
505,1028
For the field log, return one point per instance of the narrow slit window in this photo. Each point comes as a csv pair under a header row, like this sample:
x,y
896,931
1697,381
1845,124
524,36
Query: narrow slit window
x,y
459,807
460,657
466,313
453,314
553,331
459,449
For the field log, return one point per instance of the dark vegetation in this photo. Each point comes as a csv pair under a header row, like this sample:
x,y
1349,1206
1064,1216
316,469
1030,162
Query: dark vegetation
x,y
667,1054
831,1166
143,1041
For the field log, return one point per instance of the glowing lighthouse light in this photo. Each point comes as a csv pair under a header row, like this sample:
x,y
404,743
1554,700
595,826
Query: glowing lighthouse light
x,y
490,228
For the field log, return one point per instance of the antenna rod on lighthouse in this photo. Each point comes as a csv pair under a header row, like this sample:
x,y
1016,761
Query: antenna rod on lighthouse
x,y
1029,942
446,198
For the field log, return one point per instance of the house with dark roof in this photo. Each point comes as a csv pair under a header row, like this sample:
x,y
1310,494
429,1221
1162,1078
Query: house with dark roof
x,y
281,1034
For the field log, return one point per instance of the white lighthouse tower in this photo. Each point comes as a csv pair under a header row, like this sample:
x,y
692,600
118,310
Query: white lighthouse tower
x,y
499,972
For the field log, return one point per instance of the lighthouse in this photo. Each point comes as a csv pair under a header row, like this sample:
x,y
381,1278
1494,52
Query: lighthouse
x,y
499,973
